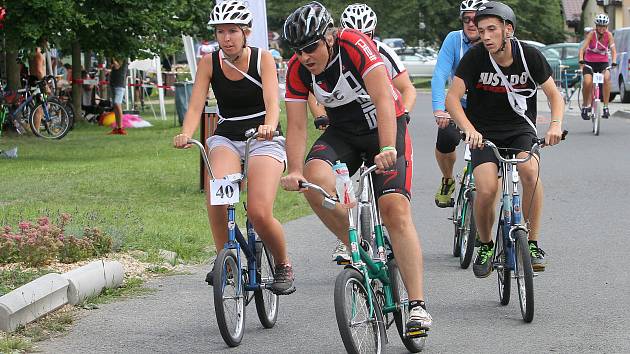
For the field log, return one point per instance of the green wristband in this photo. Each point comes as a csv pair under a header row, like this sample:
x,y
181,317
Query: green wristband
x,y
388,148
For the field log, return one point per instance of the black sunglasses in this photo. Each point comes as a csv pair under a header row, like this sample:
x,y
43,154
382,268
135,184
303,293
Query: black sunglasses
x,y
468,19
308,49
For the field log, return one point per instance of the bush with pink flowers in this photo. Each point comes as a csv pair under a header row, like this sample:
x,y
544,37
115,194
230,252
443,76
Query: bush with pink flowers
x,y
40,243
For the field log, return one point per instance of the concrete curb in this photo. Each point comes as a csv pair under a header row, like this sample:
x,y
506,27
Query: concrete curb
x,y
90,279
33,300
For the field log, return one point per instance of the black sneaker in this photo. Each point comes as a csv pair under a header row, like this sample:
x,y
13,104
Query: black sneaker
x,y
538,257
210,275
606,113
483,263
283,280
586,113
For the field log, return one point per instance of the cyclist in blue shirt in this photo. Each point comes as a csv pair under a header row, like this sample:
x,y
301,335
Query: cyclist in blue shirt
x,y
455,45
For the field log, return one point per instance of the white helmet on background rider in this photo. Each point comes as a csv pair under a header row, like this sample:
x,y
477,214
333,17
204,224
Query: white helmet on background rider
x,y
231,12
601,20
360,17
470,5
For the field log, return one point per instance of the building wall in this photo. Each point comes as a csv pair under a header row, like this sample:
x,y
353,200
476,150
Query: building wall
x,y
625,10
590,11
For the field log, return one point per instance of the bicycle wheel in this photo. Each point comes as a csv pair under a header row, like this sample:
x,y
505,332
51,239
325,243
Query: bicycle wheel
x,y
54,122
366,224
413,344
457,218
229,300
504,273
597,114
266,300
524,275
468,232
360,331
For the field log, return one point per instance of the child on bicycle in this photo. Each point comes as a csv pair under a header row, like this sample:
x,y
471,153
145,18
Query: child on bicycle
x,y
245,85
501,107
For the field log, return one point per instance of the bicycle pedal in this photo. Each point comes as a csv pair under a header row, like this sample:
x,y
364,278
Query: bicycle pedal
x,y
343,262
417,333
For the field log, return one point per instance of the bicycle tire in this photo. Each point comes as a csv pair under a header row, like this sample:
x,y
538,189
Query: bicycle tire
x,y
457,217
524,275
56,125
414,345
468,232
504,276
266,300
597,115
366,225
226,273
349,285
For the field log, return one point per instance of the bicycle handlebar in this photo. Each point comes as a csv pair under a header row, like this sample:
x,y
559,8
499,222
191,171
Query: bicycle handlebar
x,y
251,134
538,144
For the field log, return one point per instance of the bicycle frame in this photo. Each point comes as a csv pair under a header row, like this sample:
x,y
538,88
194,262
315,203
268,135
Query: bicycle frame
x,y
236,240
469,184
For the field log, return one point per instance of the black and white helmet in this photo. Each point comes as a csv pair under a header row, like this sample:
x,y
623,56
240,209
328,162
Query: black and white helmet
x,y
230,12
601,20
470,5
307,24
360,17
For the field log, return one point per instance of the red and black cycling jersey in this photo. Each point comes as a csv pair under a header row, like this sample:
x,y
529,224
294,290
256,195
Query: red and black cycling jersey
x,y
345,96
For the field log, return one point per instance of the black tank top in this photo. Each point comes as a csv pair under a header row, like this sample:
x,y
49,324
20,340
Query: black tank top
x,y
238,99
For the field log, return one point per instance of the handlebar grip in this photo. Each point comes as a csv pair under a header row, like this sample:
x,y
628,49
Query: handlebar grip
x,y
253,133
301,184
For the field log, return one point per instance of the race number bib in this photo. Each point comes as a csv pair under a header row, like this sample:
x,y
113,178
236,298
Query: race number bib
x,y
598,78
223,192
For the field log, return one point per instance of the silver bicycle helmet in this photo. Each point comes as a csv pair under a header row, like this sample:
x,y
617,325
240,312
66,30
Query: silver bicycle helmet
x,y
470,5
230,12
360,17
496,9
601,20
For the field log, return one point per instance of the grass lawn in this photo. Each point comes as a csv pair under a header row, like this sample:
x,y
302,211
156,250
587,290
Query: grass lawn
x,y
421,82
137,188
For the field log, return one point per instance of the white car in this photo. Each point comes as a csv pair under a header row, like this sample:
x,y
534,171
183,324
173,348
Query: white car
x,y
417,66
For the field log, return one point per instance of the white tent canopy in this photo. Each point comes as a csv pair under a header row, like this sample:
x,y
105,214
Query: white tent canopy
x,y
152,66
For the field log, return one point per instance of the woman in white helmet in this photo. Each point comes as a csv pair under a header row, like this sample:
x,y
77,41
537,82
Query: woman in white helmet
x,y
597,45
245,85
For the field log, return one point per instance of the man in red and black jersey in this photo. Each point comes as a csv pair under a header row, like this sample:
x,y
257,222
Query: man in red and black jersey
x,y
344,72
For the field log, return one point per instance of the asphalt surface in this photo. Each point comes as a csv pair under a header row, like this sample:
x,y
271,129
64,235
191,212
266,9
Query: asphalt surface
x,y
581,300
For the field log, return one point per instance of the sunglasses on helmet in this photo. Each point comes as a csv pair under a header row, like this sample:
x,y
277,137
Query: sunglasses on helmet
x,y
308,49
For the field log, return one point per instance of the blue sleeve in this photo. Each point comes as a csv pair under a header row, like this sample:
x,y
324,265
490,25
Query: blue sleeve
x,y
443,69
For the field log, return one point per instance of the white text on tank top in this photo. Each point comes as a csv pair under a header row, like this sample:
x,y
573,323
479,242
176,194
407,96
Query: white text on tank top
x,y
343,94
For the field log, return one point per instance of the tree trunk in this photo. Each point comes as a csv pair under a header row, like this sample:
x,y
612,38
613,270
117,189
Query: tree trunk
x,y
76,76
13,71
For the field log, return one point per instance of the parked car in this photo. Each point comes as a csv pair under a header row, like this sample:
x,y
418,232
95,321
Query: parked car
x,y
397,44
620,75
416,66
533,43
563,54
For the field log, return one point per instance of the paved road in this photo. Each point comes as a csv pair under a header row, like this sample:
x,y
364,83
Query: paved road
x,y
581,301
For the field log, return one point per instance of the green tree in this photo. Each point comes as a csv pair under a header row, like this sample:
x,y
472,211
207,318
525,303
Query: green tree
x,y
539,20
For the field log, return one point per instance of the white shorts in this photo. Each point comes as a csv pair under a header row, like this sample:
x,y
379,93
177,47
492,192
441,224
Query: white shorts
x,y
274,148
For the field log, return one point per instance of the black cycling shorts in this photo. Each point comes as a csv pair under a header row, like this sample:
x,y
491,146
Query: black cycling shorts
x,y
598,67
338,145
518,141
448,138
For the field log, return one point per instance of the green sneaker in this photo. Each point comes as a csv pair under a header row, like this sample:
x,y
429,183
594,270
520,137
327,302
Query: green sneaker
x,y
483,263
443,197
538,257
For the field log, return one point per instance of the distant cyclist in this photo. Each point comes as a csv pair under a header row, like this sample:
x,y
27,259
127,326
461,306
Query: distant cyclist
x,y
361,17
501,78
597,45
455,45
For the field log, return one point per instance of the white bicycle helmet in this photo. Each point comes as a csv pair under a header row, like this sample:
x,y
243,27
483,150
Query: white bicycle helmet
x,y
601,20
470,5
230,12
360,17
